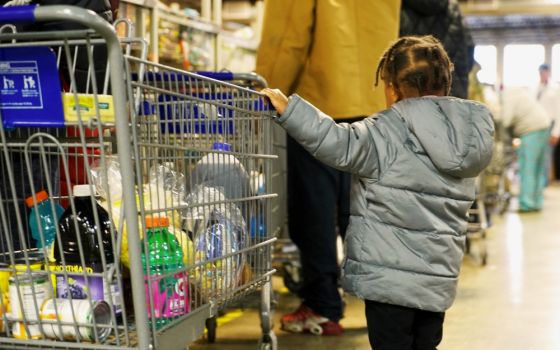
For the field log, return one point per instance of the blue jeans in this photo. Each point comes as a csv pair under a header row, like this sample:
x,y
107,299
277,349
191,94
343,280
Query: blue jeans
x,y
533,158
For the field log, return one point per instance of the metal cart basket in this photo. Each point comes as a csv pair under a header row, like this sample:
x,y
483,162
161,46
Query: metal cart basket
x,y
156,180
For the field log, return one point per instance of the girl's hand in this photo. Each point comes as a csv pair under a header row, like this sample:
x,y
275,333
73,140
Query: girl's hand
x,y
277,98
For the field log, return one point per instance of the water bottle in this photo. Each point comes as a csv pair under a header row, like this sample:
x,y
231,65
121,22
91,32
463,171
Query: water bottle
x,y
77,286
42,220
164,268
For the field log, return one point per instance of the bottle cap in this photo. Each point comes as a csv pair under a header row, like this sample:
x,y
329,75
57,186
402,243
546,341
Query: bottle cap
x,y
157,221
221,146
41,196
83,190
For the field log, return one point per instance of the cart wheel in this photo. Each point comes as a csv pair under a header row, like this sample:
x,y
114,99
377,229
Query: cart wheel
x,y
268,342
211,325
292,277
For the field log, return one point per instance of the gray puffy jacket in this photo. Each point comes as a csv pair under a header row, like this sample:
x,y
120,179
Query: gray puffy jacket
x,y
413,169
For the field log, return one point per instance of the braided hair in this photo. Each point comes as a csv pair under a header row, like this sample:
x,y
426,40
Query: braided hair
x,y
416,66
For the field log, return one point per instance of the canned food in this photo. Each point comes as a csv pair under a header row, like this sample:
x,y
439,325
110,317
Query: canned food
x,y
27,293
60,317
20,332
4,277
33,263
4,287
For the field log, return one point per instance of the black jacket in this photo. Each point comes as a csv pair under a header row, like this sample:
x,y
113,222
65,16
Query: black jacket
x,y
442,19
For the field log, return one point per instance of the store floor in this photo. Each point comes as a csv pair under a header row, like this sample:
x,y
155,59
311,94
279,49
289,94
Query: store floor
x,y
513,303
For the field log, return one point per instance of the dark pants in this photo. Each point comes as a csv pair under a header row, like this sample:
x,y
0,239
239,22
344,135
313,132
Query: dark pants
x,y
318,201
392,327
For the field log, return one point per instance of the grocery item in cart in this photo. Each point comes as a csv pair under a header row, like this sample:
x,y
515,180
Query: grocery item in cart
x,y
85,107
166,281
219,232
164,190
43,218
222,170
27,293
67,255
60,317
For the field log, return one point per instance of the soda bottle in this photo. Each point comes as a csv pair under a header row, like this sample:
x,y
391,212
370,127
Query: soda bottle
x,y
162,259
77,286
43,211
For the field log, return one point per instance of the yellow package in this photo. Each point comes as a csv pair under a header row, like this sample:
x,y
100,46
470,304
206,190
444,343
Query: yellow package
x,y
88,110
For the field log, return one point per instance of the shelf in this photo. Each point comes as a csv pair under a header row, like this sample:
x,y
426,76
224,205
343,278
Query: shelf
x,y
141,3
241,43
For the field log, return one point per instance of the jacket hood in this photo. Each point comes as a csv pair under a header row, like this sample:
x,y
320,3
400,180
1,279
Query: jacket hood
x,y
456,134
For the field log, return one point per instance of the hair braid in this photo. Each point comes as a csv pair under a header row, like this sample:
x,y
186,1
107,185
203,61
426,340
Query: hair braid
x,y
416,66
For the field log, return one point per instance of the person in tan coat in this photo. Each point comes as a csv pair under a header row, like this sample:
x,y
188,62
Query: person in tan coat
x,y
327,52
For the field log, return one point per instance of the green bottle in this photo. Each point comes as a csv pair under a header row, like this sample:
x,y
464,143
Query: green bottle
x,y
162,260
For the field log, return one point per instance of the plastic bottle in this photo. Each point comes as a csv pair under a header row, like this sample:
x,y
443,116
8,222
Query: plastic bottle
x,y
77,285
221,170
43,209
163,267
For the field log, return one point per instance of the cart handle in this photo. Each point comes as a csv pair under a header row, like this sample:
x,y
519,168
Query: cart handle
x,y
17,14
229,76
222,76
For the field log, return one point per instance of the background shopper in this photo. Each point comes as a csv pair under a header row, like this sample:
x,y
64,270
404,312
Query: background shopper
x,y
528,120
548,95
326,51
442,19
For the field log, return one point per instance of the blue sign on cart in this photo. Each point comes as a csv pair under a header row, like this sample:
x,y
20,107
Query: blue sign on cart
x,y
30,92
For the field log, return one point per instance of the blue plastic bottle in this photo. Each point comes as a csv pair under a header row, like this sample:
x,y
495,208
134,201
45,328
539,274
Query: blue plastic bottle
x,y
44,210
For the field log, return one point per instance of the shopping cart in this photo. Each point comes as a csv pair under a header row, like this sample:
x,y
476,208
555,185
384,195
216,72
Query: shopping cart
x,y
276,177
498,177
144,251
477,227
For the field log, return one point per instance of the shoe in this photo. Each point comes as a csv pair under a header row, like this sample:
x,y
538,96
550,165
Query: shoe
x,y
305,320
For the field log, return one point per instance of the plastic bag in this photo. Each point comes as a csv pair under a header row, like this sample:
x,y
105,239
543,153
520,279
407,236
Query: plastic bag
x,y
107,172
219,232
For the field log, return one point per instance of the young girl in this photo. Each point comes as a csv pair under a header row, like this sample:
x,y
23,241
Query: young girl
x,y
414,167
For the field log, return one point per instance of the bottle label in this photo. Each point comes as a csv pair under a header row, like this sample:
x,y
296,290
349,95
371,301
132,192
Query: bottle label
x,y
170,295
80,287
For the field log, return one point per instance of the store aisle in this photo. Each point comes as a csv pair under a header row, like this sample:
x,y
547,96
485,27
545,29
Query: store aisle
x,y
512,303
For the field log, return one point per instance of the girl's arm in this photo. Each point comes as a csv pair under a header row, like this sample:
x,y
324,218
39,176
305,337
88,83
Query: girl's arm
x,y
348,147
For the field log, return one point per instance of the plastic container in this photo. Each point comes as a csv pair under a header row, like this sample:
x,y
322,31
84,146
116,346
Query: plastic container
x,y
41,218
163,268
92,248
222,170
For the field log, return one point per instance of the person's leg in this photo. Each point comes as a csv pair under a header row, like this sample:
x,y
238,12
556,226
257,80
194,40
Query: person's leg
x,y
528,164
542,157
428,330
312,198
390,327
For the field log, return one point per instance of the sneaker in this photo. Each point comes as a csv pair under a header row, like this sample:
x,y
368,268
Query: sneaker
x,y
305,320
